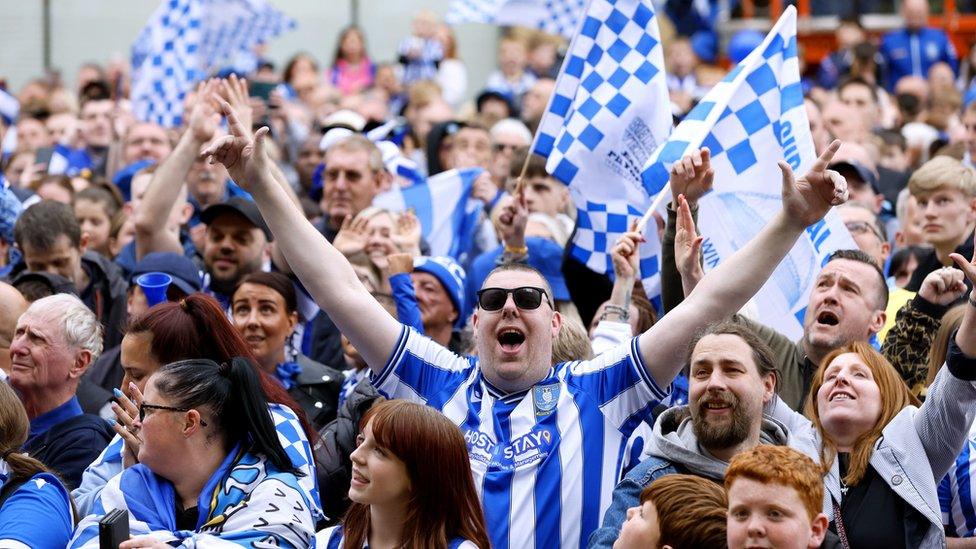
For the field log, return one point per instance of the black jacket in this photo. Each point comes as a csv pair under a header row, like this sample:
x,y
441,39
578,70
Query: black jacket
x,y
70,446
317,391
930,262
336,442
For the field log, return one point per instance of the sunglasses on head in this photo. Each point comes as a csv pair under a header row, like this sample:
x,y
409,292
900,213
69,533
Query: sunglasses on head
x,y
525,297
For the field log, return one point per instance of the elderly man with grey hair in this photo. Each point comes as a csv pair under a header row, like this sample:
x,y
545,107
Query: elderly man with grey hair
x,y
55,341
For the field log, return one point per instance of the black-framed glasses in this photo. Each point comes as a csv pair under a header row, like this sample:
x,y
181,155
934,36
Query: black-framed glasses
x,y
862,227
143,407
525,297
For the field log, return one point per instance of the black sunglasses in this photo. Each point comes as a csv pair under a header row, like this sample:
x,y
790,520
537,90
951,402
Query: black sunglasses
x,y
525,297
143,407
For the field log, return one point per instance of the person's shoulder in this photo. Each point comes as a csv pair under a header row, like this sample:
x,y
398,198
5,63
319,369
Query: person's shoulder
x,y
44,485
314,372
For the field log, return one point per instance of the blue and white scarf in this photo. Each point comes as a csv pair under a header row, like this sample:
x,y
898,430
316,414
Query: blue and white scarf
x,y
290,435
246,502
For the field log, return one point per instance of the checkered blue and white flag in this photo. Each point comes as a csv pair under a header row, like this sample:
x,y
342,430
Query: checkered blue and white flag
x,y
184,40
609,111
749,121
559,17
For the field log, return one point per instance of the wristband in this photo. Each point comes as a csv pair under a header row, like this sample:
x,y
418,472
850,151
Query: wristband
x,y
521,250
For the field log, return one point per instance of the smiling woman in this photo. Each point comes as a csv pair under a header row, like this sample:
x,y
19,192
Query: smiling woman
x,y
264,309
399,495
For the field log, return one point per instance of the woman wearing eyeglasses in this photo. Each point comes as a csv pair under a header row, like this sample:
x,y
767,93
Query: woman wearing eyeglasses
x,y
210,465
195,327
400,495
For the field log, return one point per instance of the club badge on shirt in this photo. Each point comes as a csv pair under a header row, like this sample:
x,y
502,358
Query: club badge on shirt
x,y
545,397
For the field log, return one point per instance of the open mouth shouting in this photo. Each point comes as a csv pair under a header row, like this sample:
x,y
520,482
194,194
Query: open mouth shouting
x,y
510,340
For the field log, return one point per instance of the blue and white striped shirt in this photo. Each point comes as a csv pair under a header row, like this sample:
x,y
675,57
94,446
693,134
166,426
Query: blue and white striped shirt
x,y
956,492
545,460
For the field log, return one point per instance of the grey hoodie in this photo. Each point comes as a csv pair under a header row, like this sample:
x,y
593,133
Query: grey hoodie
x,y
674,440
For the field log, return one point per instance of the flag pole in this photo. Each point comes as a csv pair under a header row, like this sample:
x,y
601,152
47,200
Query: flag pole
x,y
654,206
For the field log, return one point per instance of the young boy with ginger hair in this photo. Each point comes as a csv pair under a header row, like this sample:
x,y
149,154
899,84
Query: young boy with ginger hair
x,y
775,499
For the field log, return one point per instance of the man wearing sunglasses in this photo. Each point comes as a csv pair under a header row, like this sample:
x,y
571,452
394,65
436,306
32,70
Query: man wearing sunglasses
x,y
545,443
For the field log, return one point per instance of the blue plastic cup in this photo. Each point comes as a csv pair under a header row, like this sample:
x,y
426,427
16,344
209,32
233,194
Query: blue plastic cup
x,y
154,286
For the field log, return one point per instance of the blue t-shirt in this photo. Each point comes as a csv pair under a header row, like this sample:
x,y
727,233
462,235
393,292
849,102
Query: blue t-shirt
x,y
37,514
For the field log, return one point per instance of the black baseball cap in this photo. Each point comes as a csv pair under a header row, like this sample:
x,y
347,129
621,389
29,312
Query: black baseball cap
x,y
865,174
239,206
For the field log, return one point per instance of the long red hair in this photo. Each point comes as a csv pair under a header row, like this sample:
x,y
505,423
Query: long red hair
x,y
197,327
443,504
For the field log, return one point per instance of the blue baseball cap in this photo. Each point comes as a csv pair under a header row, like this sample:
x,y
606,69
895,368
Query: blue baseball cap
x,y
123,177
450,275
185,273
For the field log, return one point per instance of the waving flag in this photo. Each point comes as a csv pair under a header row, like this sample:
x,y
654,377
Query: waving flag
x,y
559,17
184,40
609,111
749,121
448,215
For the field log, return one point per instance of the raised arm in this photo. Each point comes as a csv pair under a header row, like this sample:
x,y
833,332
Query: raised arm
x,y
943,421
322,269
170,176
729,286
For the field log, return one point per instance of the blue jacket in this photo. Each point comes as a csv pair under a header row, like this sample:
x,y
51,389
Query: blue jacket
x,y
913,53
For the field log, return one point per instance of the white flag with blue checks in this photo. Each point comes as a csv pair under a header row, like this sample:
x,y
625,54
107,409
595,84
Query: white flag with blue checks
x,y
608,113
184,40
559,17
750,121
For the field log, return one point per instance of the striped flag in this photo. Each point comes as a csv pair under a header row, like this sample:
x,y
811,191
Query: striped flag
x,y
448,215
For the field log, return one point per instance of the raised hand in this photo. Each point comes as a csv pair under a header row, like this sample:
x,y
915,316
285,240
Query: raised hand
x,y
234,91
943,286
625,254
808,199
204,117
513,217
399,263
687,247
242,153
966,335
406,234
484,188
352,236
126,413
692,176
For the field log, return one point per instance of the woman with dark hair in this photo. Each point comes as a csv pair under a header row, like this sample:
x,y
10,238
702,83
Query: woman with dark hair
x,y
169,332
240,485
264,309
399,495
352,70
35,510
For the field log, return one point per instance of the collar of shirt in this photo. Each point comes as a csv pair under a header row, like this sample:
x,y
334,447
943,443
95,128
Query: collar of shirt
x,y
42,423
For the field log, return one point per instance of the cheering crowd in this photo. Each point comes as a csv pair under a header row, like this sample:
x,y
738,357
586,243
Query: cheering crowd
x,y
311,373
